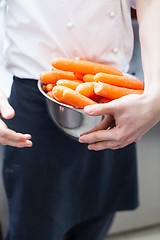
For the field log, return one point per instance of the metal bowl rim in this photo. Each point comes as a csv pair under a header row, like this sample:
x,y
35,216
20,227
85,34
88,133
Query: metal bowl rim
x,y
65,105
53,100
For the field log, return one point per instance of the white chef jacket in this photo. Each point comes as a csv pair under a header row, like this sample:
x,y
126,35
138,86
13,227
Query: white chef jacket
x,y
38,30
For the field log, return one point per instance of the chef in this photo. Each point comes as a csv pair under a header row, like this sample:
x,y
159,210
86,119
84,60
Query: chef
x,y
56,187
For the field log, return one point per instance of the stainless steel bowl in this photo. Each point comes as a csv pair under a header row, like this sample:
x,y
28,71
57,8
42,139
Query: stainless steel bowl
x,y
71,121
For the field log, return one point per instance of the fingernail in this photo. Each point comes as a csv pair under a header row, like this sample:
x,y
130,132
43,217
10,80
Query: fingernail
x,y
27,136
28,143
8,114
90,147
80,140
88,109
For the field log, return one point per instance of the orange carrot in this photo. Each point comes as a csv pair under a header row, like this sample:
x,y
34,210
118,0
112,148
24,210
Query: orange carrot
x,y
69,83
49,87
57,92
104,100
83,67
76,99
53,75
88,78
50,94
120,81
79,76
87,89
113,92
44,88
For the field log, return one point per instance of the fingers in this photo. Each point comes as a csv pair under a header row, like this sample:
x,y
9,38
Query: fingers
x,y
107,122
106,145
8,136
100,109
21,144
12,138
127,128
101,135
6,110
104,139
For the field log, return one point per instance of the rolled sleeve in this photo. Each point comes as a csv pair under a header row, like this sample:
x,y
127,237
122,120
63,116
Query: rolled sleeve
x,y
133,4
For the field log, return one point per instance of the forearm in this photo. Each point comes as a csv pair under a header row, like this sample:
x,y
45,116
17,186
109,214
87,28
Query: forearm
x,y
133,114
149,32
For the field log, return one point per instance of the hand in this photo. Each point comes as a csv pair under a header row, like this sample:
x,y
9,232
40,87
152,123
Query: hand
x,y
8,136
133,116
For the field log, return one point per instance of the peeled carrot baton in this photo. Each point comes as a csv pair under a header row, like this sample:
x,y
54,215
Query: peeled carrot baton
x,y
50,94
44,88
76,99
120,81
49,87
104,100
88,78
79,76
87,89
52,76
83,67
57,92
69,83
113,92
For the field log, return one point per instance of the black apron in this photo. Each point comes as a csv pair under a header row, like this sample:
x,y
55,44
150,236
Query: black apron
x,y
58,182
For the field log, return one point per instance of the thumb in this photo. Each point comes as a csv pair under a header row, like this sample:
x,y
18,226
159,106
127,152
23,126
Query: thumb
x,y
99,109
6,110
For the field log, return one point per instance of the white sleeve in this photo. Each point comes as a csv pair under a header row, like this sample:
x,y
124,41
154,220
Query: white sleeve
x,y
133,4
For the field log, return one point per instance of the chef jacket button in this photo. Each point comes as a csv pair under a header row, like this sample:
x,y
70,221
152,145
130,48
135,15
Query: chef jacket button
x,y
115,50
69,25
112,14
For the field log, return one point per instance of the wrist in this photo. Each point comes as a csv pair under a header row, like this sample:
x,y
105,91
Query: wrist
x,y
152,91
151,98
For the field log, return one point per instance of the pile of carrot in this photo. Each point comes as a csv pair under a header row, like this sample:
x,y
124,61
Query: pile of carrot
x,y
79,82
